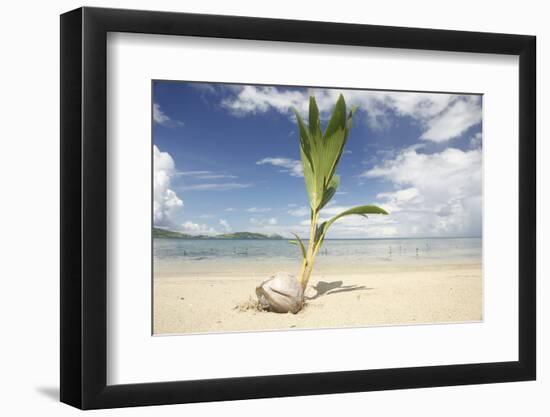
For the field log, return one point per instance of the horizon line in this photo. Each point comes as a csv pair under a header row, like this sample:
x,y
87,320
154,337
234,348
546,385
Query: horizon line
x,y
280,237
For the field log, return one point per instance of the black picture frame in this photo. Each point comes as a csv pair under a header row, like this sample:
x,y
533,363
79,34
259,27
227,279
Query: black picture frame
x,y
84,207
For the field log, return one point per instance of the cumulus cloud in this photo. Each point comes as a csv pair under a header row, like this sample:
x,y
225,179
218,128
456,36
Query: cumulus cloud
x,y
225,225
291,166
375,226
166,203
355,226
252,99
454,120
476,141
300,211
441,116
197,229
262,222
395,201
436,194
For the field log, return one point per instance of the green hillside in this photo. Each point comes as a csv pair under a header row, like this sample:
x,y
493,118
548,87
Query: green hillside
x,y
247,235
169,234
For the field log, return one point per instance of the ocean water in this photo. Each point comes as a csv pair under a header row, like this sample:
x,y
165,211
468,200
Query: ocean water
x,y
233,257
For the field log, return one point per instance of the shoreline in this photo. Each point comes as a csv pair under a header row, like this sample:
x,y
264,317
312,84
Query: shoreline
x,y
390,295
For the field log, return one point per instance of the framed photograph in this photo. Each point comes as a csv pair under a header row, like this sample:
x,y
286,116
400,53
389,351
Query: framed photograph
x,y
257,208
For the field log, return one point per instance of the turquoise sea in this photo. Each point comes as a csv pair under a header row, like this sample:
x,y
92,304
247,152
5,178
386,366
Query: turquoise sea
x,y
233,257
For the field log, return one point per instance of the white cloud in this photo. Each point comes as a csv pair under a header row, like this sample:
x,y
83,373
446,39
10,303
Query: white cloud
x,y
193,173
394,201
476,141
230,209
258,209
454,120
292,166
196,228
216,186
441,116
205,175
300,211
204,87
166,203
333,210
431,195
225,224
262,222
215,176
158,115
162,118
354,226
435,194
252,99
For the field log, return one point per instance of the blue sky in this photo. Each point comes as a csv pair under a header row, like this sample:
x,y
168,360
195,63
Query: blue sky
x,y
226,158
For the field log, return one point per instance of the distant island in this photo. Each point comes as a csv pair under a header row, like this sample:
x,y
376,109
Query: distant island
x,y
170,234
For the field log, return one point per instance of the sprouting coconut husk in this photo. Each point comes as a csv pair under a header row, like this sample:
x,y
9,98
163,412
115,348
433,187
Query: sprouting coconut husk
x,y
281,293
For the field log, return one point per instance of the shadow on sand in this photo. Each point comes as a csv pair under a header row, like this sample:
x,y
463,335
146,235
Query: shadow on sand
x,y
335,287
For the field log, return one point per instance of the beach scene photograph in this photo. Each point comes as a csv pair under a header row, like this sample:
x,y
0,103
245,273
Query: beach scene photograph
x,y
280,208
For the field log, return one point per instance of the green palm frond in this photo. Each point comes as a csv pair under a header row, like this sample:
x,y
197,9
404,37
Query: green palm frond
x,y
314,120
320,154
299,242
359,210
330,190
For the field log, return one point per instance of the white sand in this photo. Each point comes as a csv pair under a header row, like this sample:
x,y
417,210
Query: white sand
x,y
382,296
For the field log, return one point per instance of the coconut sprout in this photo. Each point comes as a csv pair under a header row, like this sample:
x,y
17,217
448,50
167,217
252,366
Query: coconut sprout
x,y
320,154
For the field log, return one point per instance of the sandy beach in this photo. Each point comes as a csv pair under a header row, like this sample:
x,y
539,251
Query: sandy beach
x,y
383,295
